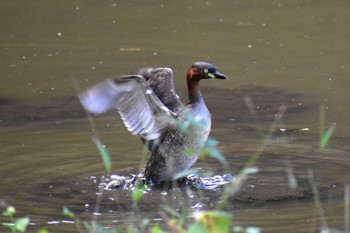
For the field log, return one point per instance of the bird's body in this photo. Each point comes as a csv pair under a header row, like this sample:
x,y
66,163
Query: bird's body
x,y
151,109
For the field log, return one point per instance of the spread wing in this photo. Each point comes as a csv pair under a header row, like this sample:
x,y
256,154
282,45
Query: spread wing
x,y
141,110
162,83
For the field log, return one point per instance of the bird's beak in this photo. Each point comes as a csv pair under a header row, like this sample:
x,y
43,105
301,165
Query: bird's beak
x,y
217,75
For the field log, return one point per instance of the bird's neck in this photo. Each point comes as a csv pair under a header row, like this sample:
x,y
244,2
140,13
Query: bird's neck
x,y
194,93
194,96
197,106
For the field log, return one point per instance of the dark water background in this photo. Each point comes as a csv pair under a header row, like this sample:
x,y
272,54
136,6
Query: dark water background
x,y
279,52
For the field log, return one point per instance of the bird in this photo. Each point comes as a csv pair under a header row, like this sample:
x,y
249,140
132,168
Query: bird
x,y
150,108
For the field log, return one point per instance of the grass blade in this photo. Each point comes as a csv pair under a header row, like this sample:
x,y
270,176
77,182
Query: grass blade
x,y
322,121
326,136
67,212
104,154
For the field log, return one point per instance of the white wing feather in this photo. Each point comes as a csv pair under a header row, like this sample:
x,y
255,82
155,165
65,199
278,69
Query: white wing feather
x,y
141,110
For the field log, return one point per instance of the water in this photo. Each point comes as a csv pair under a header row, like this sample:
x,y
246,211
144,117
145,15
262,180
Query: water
x,y
286,47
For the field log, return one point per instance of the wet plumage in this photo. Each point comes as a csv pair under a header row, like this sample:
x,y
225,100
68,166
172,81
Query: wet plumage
x,y
151,109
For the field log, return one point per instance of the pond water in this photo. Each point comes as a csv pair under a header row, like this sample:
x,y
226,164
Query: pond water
x,y
293,53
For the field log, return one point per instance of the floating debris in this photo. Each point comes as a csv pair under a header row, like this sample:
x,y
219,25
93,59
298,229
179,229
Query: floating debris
x,y
130,49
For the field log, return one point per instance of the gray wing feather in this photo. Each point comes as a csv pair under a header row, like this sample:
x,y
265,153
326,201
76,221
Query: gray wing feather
x,y
142,112
162,83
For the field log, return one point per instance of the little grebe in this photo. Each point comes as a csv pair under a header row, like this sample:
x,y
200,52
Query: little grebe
x,y
151,109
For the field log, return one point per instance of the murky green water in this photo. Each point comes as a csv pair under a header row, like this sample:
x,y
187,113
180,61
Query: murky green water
x,y
284,46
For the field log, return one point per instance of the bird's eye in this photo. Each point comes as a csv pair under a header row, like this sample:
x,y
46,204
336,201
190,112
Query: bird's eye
x,y
206,70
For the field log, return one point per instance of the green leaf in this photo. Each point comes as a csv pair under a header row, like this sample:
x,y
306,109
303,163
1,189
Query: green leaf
x,y
21,224
183,216
216,154
68,212
211,142
156,229
43,231
87,225
326,136
210,148
215,221
138,193
104,154
9,212
198,227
